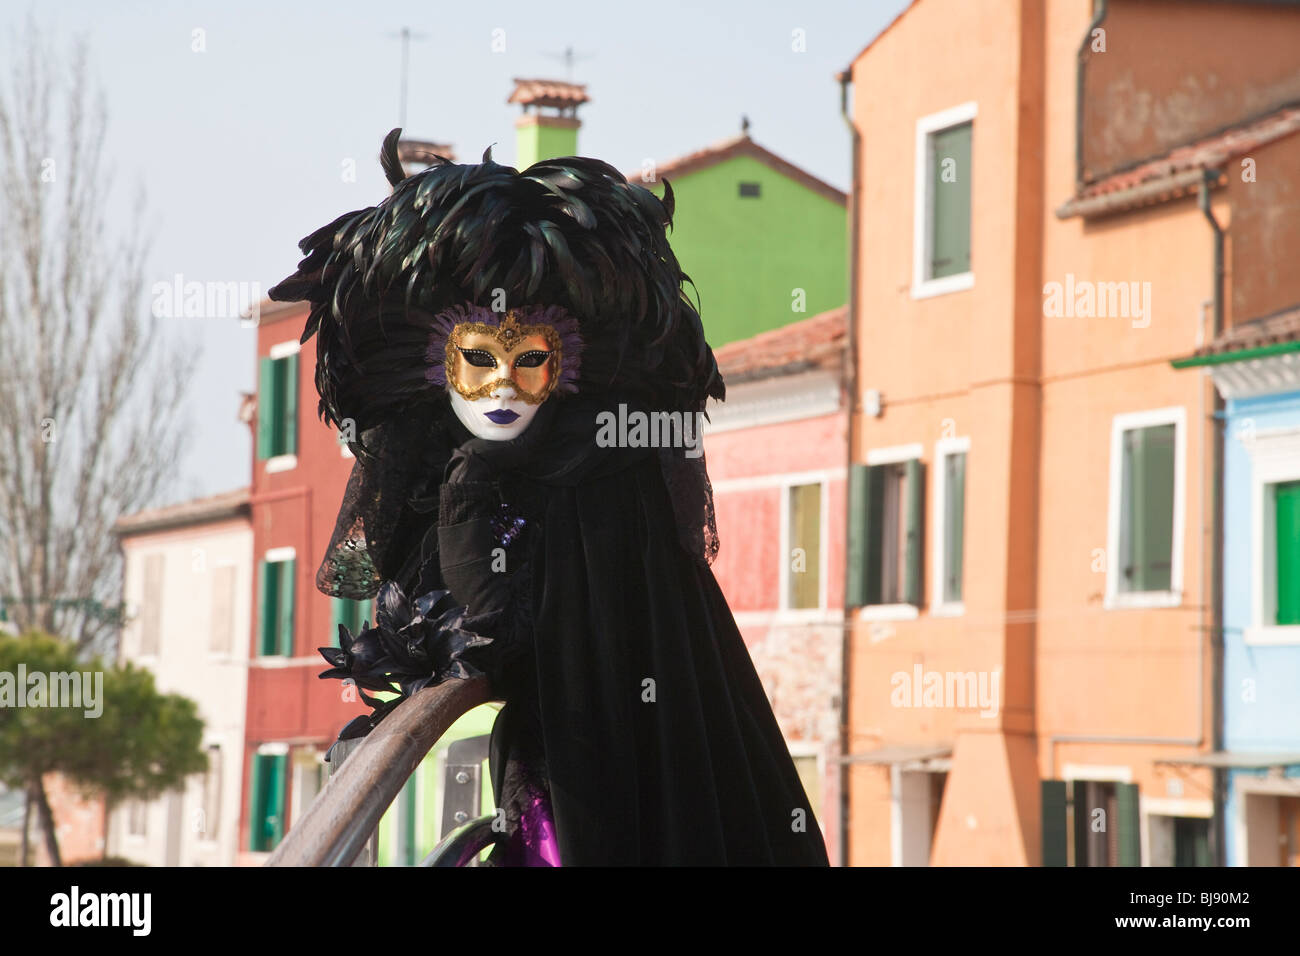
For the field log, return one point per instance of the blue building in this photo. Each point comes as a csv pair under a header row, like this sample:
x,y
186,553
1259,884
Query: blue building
x,y
1256,370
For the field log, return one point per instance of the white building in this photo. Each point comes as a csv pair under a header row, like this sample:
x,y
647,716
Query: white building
x,y
188,585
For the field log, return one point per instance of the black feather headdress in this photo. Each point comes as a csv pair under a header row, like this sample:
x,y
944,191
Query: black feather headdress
x,y
569,232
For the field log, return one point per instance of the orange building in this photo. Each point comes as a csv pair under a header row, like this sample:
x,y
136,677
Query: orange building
x,y
1092,191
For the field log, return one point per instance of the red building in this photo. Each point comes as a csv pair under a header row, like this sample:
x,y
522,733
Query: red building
x,y
299,472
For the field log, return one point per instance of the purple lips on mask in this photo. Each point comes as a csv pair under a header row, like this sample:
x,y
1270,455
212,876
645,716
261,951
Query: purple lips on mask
x,y
501,416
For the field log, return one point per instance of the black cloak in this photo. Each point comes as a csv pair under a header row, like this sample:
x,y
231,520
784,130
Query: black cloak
x,y
631,699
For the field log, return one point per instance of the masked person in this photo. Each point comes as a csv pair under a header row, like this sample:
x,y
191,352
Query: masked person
x,y
478,331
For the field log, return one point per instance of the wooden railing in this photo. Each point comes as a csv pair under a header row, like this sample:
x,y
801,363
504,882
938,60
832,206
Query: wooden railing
x,y
335,828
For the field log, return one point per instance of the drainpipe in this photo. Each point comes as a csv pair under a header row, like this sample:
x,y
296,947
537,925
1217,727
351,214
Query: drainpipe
x,y
1216,627
1216,541
850,377
1216,588
1099,14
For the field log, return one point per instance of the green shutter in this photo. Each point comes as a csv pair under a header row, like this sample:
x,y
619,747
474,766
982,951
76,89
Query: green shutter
x,y
1286,502
950,226
268,590
1130,842
408,821
266,798
954,525
277,765
874,564
289,409
859,495
255,802
268,408
1053,817
338,615
284,623
913,579
1082,821
352,614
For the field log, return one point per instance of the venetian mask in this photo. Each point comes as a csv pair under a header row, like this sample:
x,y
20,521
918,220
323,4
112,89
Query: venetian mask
x,y
499,369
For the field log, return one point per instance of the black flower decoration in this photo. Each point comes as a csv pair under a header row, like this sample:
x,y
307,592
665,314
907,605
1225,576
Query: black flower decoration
x,y
413,645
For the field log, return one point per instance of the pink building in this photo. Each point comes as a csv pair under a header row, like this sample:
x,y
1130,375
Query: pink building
x,y
777,452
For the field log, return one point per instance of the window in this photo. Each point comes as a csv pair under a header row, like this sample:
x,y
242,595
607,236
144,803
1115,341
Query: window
x,y
222,637
1285,529
1275,536
309,778
809,771
353,614
1091,823
277,407
1191,841
151,609
211,795
950,512
1144,566
750,190
266,816
137,818
942,218
885,516
803,546
275,623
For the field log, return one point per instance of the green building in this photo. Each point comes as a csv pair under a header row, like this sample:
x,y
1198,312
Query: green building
x,y
765,242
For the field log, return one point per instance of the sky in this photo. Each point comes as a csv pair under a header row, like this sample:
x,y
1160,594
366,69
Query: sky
x,y
241,119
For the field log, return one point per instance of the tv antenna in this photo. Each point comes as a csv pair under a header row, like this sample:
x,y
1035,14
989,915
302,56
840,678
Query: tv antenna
x,y
569,58
406,36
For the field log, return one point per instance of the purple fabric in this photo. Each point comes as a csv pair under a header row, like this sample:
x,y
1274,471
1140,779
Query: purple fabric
x,y
534,842
537,834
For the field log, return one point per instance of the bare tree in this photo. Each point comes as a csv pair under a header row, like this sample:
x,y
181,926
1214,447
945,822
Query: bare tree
x,y
90,396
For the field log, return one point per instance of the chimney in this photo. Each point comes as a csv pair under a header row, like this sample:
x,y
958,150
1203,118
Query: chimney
x,y
548,127
417,155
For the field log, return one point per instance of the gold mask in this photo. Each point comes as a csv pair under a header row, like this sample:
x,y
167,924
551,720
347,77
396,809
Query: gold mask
x,y
482,358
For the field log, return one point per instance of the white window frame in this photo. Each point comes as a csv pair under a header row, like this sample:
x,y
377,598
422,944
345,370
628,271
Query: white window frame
x,y
202,839
893,455
938,606
1274,458
924,287
1115,599
784,610
278,463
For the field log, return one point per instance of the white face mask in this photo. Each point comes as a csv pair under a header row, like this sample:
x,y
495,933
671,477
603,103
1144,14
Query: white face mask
x,y
499,417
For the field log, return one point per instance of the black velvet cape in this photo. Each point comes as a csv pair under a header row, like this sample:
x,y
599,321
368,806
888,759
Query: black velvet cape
x,y
630,695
